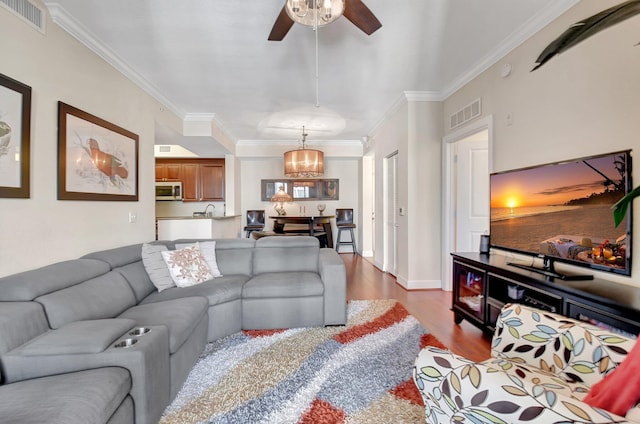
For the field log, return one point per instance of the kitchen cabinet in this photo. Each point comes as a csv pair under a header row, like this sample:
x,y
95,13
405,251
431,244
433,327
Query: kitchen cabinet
x,y
190,182
212,176
202,179
168,172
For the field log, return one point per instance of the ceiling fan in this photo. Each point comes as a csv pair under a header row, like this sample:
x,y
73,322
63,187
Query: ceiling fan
x,y
297,11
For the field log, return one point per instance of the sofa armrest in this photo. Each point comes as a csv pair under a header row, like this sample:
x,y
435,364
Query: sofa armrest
x,y
93,336
456,389
334,277
572,349
147,361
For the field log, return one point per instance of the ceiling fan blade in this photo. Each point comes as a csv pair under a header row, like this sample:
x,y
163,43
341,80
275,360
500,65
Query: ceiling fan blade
x,y
361,16
282,25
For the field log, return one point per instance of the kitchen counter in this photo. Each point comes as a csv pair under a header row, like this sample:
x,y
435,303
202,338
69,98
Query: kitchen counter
x,y
204,227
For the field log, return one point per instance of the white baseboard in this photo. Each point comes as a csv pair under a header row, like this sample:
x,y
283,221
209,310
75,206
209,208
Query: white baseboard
x,y
419,284
367,253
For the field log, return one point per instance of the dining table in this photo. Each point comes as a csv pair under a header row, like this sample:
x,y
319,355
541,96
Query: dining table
x,y
280,222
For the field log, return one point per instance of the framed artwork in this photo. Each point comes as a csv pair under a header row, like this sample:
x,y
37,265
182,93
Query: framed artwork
x,y
15,138
97,160
302,189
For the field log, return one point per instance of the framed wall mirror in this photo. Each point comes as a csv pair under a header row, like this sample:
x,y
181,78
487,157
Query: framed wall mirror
x,y
302,189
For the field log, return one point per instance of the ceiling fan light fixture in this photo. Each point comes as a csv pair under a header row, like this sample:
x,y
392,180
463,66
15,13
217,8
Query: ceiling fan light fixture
x,y
305,11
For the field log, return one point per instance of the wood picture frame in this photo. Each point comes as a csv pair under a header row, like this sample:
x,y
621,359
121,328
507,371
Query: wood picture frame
x,y
15,138
97,160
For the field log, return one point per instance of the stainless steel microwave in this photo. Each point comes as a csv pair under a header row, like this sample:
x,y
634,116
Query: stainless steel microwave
x,y
168,190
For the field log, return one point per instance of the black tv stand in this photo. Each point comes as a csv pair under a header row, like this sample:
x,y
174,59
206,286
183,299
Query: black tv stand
x,y
483,284
551,273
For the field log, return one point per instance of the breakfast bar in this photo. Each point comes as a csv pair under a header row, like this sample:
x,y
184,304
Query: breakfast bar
x,y
171,228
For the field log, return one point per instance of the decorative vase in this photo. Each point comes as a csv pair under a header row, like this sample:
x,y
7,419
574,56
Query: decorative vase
x,y
279,208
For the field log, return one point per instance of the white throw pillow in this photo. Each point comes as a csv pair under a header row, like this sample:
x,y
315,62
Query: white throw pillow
x,y
187,266
156,267
208,252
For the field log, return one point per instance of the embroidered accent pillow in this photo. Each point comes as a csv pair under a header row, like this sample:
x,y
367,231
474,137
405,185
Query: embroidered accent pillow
x,y
156,267
208,252
187,266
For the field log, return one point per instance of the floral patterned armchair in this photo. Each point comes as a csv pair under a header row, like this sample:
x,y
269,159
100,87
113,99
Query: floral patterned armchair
x,y
541,367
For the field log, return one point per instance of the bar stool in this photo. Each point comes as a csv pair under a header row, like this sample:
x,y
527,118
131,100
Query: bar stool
x,y
255,221
344,222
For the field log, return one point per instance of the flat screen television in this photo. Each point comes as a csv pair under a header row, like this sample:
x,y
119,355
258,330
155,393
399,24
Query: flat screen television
x,y
561,212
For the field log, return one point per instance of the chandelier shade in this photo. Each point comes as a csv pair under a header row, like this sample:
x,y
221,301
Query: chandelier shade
x,y
314,12
303,163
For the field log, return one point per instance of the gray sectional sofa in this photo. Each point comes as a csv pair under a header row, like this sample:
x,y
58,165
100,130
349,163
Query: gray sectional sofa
x,y
62,326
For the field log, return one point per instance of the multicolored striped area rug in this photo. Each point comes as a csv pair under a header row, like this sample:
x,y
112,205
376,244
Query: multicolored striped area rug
x,y
358,373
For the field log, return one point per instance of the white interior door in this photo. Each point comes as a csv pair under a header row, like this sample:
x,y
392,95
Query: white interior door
x,y
472,192
390,215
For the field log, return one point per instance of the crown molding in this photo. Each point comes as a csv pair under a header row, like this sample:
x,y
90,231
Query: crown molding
x,y
422,96
214,128
403,98
308,143
530,28
65,21
199,117
391,110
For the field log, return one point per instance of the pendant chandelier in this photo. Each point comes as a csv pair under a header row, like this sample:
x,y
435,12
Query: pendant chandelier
x,y
303,163
305,12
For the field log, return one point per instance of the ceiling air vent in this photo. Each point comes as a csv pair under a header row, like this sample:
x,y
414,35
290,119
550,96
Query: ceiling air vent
x,y
466,114
164,149
27,11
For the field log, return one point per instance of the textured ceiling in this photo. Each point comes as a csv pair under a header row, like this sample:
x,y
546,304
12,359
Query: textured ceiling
x,y
212,57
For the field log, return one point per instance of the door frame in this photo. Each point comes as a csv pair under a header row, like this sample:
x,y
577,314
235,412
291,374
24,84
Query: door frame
x,y
448,187
368,206
387,256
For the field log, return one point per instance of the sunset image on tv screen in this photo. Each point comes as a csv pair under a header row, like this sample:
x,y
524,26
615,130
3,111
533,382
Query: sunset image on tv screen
x,y
563,210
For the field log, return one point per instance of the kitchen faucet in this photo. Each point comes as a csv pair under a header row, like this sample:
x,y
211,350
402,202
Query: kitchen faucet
x,y
210,213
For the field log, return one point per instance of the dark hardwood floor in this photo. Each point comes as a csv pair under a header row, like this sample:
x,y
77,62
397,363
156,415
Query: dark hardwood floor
x,y
430,307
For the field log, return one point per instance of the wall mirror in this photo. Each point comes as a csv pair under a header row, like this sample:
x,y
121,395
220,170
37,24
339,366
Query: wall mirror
x,y
309,189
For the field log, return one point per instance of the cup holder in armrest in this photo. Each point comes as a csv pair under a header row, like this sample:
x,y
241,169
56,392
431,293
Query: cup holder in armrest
x,y
139,331
125,343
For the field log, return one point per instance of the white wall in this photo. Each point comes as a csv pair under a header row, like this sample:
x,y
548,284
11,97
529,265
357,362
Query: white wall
x,y
414,131
423,216
388,138
582,102
42,230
